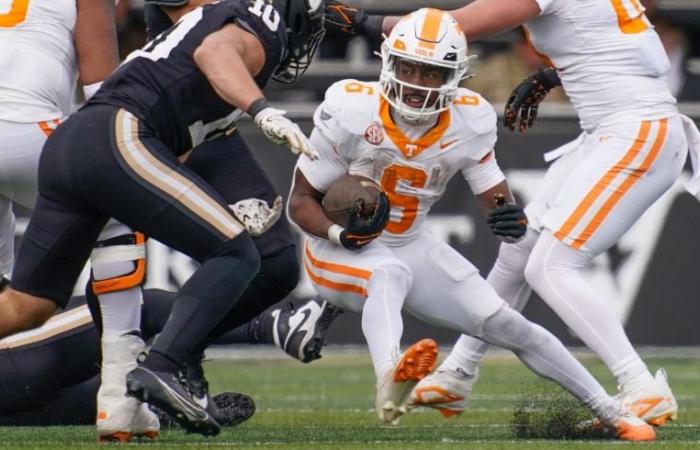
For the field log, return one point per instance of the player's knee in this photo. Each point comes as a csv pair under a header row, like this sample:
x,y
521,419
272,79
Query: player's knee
x,y
241,251
30,312
512,258
395,275
118,263
287,269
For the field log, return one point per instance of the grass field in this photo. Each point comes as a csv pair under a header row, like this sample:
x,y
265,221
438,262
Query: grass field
x,y
327,405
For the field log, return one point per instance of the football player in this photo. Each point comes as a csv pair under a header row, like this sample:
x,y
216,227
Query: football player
x,y
611,64
49,375
166,99
410,133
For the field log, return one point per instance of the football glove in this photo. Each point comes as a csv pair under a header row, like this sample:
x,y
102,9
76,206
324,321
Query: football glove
x,y
282,131
354,21
256,214
525,99
359,230
507,220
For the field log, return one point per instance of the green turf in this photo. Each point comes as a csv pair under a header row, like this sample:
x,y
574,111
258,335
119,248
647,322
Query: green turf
x,y
328,405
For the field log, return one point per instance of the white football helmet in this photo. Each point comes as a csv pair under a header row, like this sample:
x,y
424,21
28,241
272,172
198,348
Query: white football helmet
x,y
430,37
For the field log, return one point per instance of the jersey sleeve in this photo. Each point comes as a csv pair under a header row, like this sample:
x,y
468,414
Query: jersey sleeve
x,y
547,6
329,139
270,29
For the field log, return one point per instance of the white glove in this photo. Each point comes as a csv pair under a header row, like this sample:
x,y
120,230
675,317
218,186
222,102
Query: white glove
x,y
256,215
283,131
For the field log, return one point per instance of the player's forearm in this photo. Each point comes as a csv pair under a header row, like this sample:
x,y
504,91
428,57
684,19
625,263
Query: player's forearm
x,y
487,199
308,214
234,84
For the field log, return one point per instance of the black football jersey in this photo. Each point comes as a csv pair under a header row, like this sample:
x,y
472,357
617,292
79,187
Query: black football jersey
x,y
162,85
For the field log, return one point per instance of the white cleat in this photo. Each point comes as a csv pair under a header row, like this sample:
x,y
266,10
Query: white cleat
x,y
629,427
395,386
120,417
446,390
654,403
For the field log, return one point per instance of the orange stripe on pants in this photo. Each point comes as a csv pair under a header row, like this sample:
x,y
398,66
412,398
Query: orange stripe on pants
x,y
363,275
603,183
626,185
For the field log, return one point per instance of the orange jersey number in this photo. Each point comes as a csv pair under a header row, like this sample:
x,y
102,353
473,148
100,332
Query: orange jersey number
x,y
629,23
407,203
16,15
355,87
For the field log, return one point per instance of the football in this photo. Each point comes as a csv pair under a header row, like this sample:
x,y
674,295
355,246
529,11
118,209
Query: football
x,y
348,191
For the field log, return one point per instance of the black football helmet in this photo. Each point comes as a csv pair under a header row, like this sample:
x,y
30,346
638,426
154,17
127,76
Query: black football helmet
x,y
305,30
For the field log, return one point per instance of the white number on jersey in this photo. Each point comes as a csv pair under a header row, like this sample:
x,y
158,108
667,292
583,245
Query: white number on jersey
x,y
164,43
269,16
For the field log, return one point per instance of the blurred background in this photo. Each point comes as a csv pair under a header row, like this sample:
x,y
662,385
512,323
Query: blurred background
x,y
651,276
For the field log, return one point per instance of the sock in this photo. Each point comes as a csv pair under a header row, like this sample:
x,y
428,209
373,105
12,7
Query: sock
x,y
121,310
382,323
160,362
631,373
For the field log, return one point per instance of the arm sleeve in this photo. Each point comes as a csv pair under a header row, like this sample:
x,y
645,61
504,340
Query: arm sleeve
x,y
484,174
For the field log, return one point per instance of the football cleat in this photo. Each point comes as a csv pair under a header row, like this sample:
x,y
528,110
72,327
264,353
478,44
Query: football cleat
x,y
629,427
233,407
198,386
167,392
120,417
653,403
301,333
446,390
396,385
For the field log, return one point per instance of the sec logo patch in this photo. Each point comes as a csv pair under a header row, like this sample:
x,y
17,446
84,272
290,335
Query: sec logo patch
x,y
374,134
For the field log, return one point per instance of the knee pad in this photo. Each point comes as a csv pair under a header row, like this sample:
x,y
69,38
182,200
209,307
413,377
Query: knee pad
x,y
118,263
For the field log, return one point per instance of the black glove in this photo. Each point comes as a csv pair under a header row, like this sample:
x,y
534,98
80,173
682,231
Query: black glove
x,y
359,230
508,221
354,21
526,97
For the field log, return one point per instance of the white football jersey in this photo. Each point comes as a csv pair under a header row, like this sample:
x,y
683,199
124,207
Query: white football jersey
x,y
38,61
364,140
610,59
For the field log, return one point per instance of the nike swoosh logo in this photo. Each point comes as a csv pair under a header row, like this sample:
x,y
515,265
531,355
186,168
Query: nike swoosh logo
x,y
294,328
444,145
643,406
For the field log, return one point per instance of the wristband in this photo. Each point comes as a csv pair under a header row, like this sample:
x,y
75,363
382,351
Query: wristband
x,y
334,233
257,106
91,89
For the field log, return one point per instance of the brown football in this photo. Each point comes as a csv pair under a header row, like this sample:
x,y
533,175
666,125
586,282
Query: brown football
x,y
347,191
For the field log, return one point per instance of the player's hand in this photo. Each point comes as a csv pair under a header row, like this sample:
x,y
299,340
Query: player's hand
x,y
507,220
525,99
353,20
282,131
359,230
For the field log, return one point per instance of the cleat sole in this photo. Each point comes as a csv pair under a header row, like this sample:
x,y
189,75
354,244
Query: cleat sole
x,y
417,362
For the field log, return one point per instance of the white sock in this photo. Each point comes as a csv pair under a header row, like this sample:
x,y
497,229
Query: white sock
x,y
555,271
508,279
382,323
121,310
545,355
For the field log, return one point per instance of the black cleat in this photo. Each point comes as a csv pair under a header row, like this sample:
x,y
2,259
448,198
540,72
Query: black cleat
x,y
301,333
233,408
165,391
198,386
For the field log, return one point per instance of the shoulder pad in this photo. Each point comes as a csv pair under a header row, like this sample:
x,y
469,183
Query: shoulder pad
x,y
474,112
355,103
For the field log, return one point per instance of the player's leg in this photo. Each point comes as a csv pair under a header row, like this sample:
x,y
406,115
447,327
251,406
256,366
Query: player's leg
x,y
616,181
374,283
118,269
448,291
460,369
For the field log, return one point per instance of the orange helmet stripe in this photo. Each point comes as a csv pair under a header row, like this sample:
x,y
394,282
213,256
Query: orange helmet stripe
x,y
431,27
